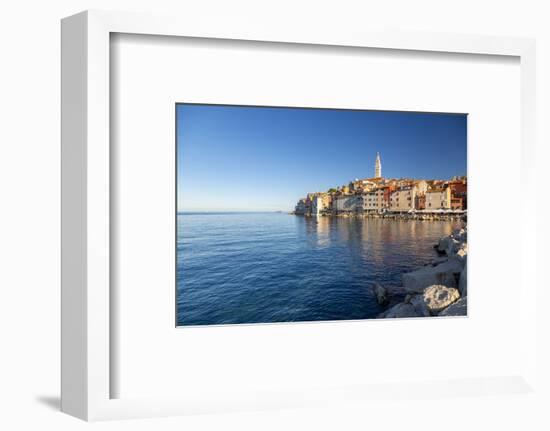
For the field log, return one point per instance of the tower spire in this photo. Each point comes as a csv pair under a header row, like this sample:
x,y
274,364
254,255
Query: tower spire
x,y
377,167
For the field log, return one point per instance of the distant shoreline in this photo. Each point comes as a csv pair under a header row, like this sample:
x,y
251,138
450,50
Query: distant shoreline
x,y
229,212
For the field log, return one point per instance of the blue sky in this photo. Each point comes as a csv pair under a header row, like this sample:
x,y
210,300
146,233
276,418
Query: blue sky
x,y
233,158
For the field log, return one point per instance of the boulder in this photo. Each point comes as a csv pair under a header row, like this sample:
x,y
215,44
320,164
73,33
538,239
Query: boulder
x,y
400,310
459,308
412,306
438,260
463,281
460,235
395,291
447,245
454,243
381,294
420,306
445,274
461,252
438,297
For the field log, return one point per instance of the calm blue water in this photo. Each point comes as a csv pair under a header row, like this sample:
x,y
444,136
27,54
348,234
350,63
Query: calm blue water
x,y
273,267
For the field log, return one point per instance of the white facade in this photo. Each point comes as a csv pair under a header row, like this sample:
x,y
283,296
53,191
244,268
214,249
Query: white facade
x,y
319,204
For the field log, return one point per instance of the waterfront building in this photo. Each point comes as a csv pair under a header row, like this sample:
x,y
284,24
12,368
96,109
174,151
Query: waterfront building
x,y
308,205
388,190
377,167
420,201
374,200
438,198
456,203
300,207
349,203
459,189
320,204
421,187
403,199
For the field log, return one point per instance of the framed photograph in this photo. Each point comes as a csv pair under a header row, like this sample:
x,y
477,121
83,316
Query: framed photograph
x,y
249,213
257,242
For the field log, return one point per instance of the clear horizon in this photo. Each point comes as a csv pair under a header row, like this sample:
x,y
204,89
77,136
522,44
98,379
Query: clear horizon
x,y
263,159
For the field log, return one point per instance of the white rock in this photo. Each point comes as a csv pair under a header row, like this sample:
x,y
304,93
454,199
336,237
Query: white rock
x,y
445,274
459,308
438,297
454,243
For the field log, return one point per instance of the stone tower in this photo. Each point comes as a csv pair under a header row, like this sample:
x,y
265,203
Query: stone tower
x,y
377,167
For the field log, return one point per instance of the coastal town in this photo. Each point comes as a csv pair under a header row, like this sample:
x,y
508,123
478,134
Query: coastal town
x,y
387,197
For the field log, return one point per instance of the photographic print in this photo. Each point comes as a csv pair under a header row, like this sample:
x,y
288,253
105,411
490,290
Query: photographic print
x,y
308,214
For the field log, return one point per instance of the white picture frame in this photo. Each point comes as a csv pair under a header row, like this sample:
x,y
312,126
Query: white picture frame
x,y
86,301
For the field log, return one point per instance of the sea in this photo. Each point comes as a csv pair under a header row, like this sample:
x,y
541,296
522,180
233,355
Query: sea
x,y
238,268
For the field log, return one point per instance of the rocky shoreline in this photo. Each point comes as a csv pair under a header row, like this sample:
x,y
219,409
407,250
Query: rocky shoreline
x,y
436,289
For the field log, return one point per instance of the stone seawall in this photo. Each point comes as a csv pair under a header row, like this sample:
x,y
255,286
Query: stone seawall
x,y
396,216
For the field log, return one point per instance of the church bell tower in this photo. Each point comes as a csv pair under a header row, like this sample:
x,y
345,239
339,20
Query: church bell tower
x,y
377,167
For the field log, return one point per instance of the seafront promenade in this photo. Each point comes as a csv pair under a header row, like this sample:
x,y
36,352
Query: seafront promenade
x,y
435,215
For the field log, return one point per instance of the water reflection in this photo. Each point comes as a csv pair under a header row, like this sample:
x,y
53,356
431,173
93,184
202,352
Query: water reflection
x,y
237,268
